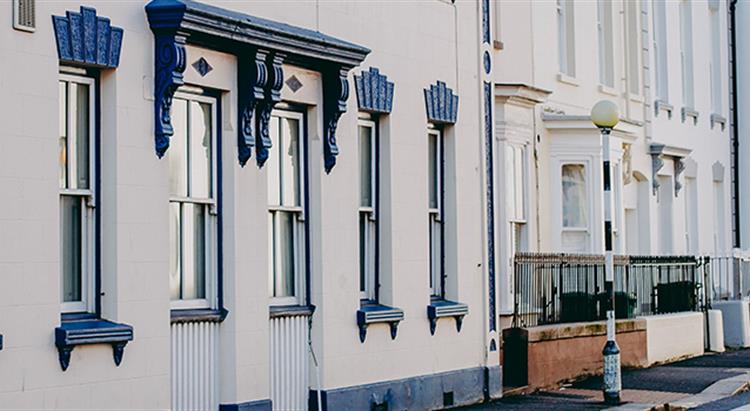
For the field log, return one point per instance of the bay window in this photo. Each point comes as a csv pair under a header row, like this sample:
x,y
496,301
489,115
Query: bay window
x,y
286,210
193,208
77,152
435,210
368,202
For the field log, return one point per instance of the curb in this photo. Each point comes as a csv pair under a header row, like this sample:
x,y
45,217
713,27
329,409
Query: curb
x,y
716,391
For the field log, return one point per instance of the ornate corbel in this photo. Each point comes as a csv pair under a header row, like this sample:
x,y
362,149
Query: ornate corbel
x,y
271,96
679,167
335,94
657,163
627,164
253,78
170,60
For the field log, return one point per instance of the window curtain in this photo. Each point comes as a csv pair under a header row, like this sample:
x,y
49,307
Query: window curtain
x,y
575,209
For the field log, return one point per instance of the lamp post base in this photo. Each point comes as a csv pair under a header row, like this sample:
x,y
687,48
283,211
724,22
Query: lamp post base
x,y
612,379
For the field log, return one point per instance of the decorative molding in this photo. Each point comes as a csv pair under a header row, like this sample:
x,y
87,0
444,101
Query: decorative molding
x,y
718,119
291,311
377,313
717,172
252,80
686,112
85,39
73,333
441,104
660,105
655,150
679,167
216,26
445,308
263,109
170,60
521,94
627,164
201,315
490,199
173,22
202,67
374,92
335,94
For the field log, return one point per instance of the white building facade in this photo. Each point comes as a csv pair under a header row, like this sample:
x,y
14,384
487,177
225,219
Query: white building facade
x,y
665,64
274,205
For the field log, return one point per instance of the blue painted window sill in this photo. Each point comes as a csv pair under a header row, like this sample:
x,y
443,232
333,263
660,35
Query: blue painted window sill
x,y
276,311
84,331
441,308
372,313
203,315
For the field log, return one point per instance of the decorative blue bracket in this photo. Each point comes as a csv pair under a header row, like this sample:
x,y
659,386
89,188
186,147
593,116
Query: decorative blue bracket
x,y
271,96
679,168
170,65
335,94
92,331
374,92
253,77
376,313
440,308
84,39
441,104
657,163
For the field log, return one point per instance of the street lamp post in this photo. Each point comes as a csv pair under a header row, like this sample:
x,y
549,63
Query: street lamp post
x,y
605,116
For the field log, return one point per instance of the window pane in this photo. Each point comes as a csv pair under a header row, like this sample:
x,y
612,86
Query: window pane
x,y
63,122
290,169
200,150
174,251
72,239
177,153
365,166
272,164
432,169
285,270
520,182
193,251
575,203
82,130
362,251
435,255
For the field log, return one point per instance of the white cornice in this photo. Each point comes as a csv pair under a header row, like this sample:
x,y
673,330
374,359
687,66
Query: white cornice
x,y
521,94
628,130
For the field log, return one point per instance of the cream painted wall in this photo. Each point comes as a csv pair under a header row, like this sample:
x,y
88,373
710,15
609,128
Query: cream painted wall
x,y
414,44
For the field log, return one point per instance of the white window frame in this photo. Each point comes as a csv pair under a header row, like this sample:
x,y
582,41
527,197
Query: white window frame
x,y
88,197
211,217
660,50
686,53
566,37
604,22
435,221
512,183
299,227
717,106
371,214
633,40
584,228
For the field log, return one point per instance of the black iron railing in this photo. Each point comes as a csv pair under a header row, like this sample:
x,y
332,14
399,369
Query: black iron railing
x,y
562,288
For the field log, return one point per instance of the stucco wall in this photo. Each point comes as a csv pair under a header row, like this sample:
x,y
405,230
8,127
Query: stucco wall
x,y
673,336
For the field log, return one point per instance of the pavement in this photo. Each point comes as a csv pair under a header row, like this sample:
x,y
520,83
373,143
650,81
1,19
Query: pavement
x,y
712,382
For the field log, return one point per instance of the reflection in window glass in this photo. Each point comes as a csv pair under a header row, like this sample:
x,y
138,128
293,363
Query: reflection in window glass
x,y
191,222
77,212
286,221
575,202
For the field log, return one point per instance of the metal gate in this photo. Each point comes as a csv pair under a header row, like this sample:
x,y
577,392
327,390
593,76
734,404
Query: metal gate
x,y
193,370
290,363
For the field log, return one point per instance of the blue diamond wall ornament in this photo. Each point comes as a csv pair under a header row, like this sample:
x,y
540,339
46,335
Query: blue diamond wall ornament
x,y
294,83
202,67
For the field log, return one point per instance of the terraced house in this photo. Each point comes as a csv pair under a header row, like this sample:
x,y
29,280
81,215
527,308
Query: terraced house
x,y
354,205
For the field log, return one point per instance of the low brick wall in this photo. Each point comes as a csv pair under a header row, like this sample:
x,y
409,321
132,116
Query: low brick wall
x,y
560,352
547,355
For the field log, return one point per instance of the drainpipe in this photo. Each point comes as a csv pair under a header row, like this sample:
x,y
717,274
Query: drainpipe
x,y
734,116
